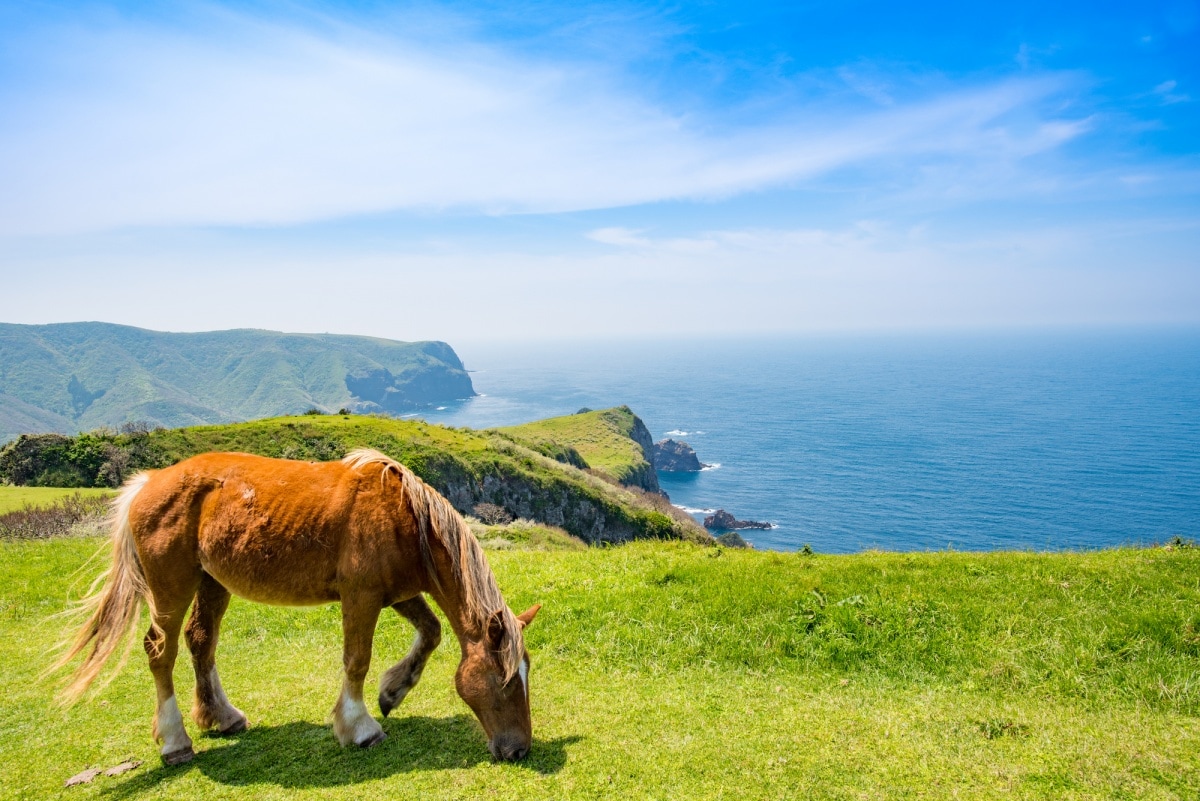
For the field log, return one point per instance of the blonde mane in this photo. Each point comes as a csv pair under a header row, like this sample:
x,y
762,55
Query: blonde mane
x,y
434,515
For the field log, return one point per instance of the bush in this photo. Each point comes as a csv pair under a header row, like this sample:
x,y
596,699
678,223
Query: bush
x,y
56,520
731,539
100,458
492,514
46,460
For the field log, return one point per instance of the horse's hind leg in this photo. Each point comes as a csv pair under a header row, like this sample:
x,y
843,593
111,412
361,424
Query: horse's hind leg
x,y
162,646
405,674
352,723
211,708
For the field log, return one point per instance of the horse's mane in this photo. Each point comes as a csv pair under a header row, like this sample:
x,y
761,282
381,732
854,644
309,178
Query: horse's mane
x,y
434,515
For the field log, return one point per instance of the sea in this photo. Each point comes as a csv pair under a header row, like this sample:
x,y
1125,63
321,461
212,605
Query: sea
x,y
970,442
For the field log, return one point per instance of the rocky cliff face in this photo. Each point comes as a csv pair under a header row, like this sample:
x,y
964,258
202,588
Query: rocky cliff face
x,y
644,476
380,390
595,515
591,520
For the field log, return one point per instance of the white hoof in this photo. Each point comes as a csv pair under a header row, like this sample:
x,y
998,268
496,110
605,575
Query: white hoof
x,y
168,729
353,725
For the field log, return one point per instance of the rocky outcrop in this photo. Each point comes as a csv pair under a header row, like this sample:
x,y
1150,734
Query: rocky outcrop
x,y
644,476
379,390
591,516
723,521
676,457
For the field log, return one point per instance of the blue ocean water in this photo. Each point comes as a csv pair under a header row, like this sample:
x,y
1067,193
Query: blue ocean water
x,y
1045,442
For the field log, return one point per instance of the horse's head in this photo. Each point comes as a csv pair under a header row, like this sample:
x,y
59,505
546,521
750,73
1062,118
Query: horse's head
x,y
500,699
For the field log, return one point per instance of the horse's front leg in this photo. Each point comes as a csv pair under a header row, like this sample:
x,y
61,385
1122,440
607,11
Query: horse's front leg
x,y
405,674
351,721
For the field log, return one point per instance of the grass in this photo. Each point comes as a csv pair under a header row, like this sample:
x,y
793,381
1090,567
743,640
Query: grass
x,y
13,499
525,535
603,438
667,670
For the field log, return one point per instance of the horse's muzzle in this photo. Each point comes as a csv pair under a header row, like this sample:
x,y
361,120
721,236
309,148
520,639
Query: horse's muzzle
x,y
508,749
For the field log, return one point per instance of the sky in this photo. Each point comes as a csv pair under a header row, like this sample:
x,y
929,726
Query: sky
x,y
548,171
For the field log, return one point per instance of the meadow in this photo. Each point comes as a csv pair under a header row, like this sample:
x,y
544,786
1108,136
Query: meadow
x,y
13,499
675,670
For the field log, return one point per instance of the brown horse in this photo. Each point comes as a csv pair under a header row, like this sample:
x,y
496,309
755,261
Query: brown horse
x,y
364,531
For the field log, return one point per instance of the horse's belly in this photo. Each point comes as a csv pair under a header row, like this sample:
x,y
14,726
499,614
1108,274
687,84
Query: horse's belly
x,y
253,589
272,574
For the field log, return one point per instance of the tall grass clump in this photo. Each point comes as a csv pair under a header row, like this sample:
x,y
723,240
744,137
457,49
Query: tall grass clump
x,y
75,513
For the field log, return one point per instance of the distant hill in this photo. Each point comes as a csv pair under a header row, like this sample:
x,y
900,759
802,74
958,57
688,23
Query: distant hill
x,y
72,377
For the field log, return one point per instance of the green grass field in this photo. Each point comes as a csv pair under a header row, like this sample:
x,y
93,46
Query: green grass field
x,y
669,670
14,498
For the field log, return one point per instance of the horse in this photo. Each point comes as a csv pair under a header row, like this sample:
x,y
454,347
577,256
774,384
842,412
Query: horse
x,y
363,531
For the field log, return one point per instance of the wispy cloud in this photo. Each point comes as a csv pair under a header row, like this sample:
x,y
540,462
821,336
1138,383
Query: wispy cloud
x,y
1167,94
276,124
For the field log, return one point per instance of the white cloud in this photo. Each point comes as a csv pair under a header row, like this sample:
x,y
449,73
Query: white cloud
x,y
1168,95
622,237
271,125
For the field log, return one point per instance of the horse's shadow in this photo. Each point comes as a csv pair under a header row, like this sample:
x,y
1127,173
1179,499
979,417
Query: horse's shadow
x,y
304,754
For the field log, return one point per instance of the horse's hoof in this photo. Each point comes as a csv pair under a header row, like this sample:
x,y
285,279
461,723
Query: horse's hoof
x,y
179,757
388,703
374,739
237,727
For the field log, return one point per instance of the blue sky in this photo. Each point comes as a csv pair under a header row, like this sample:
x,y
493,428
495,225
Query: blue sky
x,y
470,171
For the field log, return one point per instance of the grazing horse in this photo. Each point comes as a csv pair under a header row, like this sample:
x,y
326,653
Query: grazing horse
x,y
365,532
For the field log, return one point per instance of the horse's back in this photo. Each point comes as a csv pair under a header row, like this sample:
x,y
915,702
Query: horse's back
x,y
271,530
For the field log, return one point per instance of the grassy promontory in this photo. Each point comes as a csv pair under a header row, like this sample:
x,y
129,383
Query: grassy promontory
x,y
611,441
667,670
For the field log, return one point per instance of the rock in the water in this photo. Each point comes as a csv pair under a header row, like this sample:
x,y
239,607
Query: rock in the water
x,y
676,457
723,521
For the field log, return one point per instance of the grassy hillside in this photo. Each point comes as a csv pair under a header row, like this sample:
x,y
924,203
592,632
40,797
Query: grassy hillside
x,y
613,441
79,376
468,467
665,670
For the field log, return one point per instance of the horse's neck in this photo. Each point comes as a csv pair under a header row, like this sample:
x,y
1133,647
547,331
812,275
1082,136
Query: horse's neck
x,y
466,629
449,594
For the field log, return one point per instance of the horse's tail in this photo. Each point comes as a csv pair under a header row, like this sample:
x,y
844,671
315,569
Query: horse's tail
x,y
113,604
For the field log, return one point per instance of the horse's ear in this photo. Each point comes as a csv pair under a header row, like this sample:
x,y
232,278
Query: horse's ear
x,y
526,617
